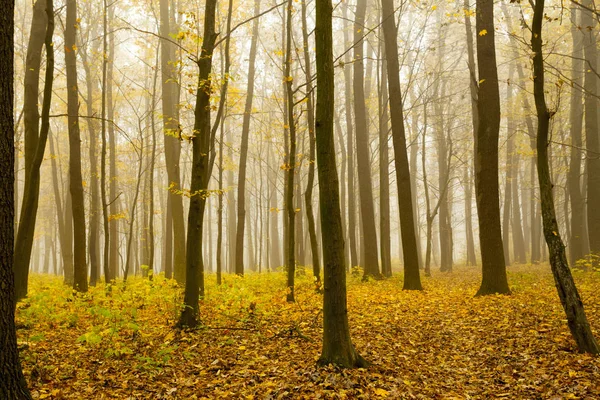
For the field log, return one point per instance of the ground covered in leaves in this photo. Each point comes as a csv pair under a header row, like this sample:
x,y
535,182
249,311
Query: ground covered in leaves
x,y
118,342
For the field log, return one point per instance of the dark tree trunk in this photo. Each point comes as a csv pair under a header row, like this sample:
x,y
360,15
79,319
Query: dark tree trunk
x,y
565,285
202,143
365,186
42,28
80,271
337,345
241,192
412,279
494,278
308,194
290,209
12,381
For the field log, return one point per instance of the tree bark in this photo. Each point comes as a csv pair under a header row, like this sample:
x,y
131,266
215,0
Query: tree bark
x,y
494,278
80,274
202,143
412,279
172,136
310,116
337,345
241,192
565,285
365,186
12,381
35,139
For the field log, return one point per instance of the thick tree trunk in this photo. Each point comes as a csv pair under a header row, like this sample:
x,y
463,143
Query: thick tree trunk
x,y
337,345
412,279
565,285
494,278
241,191
12,382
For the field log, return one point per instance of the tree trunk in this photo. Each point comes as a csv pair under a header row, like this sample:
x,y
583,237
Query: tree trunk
x,y
42,28
337,345
565,285
384,176
75,177
12,381
365,186
471,258
310,116
494,278
291,156
172,136
350,143
241,192
592,140
202,143
412,280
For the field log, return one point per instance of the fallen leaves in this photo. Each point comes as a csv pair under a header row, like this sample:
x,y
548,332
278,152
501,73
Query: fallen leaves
x,y
442,343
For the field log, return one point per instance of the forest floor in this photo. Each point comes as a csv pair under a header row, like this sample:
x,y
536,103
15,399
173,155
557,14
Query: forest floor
x,y
442,343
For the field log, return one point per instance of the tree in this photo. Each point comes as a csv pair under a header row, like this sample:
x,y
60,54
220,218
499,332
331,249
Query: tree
x,y
241,205
565,285
337,345
494,278
12,381
202,141
365,185
42,28
412,279
75,178
172,135
576,246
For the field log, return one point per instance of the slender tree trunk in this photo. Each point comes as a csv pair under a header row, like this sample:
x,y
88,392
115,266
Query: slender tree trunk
x,y
310,116
365,186
172,136
241,192
384,176
75,177
471,258
291,156
412,279
94,217
350,143
42,28
565,285
494,278
202,143
337,345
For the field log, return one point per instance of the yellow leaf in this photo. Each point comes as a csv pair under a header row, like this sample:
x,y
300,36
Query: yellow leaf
x,y
483,32
381,392
433,8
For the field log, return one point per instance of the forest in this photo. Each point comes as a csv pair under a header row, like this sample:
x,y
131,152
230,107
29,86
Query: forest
x,y
299,199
